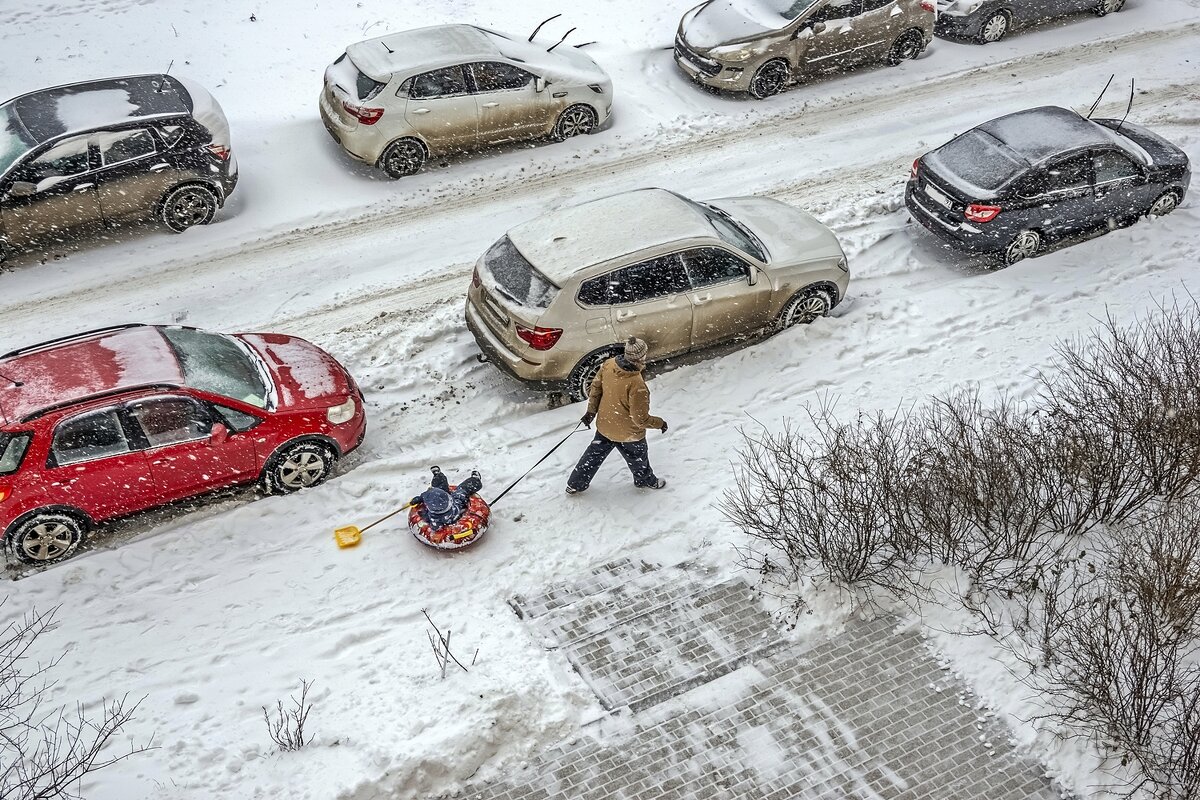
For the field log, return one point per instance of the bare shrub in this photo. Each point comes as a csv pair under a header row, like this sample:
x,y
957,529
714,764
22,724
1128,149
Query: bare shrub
x,y
47,752
286,728
440,644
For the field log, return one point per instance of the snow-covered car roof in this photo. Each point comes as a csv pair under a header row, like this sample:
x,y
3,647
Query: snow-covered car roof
x,y
565,241
48,113
420,49
1039,134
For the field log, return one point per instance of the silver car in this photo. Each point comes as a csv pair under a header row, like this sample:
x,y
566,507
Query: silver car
x,y
762,46
397,100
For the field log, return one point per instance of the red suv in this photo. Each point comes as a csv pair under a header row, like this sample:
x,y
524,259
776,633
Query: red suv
x,y
118,420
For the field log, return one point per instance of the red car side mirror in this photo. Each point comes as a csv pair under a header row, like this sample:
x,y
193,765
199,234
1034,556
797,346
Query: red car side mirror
x,y
219,434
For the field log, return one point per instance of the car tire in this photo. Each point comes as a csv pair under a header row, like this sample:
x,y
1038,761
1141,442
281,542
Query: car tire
x,y
188,206
580,381
1025,244
805,306
46,537
995,27
299,466
1106,7
1167,202
770,79
578,120
403,157
909,46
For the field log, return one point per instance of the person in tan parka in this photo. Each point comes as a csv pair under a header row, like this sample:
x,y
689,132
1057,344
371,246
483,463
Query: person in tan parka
x,y
619,402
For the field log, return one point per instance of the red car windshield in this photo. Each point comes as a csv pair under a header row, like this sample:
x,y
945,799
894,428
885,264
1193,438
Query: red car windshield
x,y
12,451
220,365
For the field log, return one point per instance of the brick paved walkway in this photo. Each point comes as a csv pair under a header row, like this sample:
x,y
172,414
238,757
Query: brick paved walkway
x,y
719,707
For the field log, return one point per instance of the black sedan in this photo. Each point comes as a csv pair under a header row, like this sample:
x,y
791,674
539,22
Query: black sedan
x,y
1018,183
986,21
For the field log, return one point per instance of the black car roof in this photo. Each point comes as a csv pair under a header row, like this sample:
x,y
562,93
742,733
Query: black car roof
x,y
1038,134
48,113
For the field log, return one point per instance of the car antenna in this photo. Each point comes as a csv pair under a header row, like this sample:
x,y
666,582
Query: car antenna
x,y
16,384
550,49
539,27
1129,107
385,47
160,85
1096,104
585,44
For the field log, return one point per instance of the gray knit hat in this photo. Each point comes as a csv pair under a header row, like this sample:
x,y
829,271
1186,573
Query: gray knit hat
x,y
636,351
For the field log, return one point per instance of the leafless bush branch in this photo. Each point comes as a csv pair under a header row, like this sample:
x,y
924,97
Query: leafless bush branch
x,y
286,728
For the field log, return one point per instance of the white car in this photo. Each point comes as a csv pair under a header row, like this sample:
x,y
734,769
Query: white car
x,y
396,100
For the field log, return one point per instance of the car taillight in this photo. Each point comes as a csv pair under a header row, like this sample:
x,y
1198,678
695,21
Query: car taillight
x,y
4,493
977,212
540,338
475,278
367,116
218,150
927,5
916,164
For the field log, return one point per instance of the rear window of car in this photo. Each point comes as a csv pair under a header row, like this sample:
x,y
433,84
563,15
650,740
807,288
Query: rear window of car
x,y
12,451
14,140
516,277
978,159
348,76
219,365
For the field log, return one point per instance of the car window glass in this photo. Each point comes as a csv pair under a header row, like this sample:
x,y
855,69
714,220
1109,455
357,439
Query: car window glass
x,y
836,9
439,83
88,437
495,76
594,292
658,277
171,134
237,421
711,265
66,159
119,146
12,451
1073,173
170,420
1111,166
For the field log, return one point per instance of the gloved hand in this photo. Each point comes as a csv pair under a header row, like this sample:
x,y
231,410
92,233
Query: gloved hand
x,y
587,419
664,427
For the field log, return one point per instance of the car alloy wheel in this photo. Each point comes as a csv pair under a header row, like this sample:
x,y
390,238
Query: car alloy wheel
x,y
1106,7
188,206
1165,204
302,466
1025,244
403,158
770,79
46,538
906,48
805,307
575,121
995,28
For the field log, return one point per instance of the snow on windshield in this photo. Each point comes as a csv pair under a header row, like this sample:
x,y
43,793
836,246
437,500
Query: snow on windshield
x,y
84,110
215,363
788,9
13,141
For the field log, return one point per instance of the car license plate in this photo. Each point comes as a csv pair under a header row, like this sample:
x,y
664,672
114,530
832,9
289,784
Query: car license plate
x,y
938,196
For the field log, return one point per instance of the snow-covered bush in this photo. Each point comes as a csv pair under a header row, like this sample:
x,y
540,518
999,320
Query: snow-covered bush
x,y
286,727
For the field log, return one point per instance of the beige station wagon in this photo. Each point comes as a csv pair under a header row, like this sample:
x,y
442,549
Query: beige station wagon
x,y
550,301
399,99
762,46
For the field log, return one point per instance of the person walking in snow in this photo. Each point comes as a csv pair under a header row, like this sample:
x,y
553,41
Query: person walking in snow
x,y
442,507
619,402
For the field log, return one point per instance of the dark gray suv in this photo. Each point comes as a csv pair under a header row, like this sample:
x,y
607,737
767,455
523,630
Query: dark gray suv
x,y
80,157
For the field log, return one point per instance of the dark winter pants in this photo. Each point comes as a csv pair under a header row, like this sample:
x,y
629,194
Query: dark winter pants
x,y
462,492
636,454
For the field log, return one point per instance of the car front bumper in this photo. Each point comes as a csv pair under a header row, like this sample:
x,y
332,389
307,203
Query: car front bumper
x,y
954,26
727,77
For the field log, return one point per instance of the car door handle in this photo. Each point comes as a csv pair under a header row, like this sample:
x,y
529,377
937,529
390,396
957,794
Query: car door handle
x,y
420,110
490,105
702,299
625,315
160,167
83,187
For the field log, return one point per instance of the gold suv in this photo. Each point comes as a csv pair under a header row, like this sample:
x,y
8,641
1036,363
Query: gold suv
x,y
550,301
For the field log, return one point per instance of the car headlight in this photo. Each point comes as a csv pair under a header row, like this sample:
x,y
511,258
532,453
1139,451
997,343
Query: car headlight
x,y
739,52
338,415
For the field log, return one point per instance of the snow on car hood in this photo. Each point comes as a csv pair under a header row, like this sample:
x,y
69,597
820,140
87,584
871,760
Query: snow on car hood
x,y
789,234
305,375
726,21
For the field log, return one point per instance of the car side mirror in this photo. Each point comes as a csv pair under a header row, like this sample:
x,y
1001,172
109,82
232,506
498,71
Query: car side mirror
x,y
539,84
219,434
22,189
818,27
753,277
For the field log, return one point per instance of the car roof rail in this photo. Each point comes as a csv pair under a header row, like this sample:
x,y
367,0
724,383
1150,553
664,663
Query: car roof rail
x,y
33,348
78,401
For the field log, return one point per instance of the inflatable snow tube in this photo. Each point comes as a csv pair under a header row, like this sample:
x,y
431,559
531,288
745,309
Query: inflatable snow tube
x,y
464,533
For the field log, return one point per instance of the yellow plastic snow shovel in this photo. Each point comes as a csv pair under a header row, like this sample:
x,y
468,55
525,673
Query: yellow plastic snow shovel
x,y
352,535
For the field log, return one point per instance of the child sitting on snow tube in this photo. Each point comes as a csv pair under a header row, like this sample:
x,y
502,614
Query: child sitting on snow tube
x,y
440,506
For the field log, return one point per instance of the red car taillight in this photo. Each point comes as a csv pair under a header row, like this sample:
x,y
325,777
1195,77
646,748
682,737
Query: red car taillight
x,y
5,491
927,5
218,150
367,116
540,338
916,164
977,212
475,278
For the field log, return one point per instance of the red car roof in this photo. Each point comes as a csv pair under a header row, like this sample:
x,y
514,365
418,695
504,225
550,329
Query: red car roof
x,y
77,370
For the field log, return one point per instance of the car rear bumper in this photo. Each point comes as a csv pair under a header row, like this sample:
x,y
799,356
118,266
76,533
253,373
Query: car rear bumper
x,y
968,237
496,352
344,136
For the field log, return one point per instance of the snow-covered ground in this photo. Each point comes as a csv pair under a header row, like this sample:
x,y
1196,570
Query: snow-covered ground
x,y
214,613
